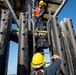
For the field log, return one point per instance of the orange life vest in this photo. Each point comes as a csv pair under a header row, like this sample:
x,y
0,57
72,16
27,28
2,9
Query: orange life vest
x,y
37,11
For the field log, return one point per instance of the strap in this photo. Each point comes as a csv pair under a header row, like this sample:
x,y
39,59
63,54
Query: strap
x,y
38,72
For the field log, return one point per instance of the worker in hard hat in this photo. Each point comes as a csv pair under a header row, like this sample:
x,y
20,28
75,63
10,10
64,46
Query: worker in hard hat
x,y
38,14
38,61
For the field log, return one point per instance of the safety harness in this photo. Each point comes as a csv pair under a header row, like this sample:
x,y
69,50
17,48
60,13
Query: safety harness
x,y
38,72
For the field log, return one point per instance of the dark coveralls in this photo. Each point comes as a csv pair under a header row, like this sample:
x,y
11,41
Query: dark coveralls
x,y
38,20
52,68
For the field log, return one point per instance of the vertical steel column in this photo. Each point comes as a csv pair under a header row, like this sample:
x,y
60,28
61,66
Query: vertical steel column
x,y
36,2
72,33
57,41
67,49
24,5
5,29
33,35
49,34
23,55
29,16
33,3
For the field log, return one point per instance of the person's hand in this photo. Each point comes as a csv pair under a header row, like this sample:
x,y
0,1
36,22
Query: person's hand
x,y
33,11
55,56
37,15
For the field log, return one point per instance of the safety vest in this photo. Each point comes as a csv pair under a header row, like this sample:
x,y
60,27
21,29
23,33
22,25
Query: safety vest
x,y
37,11
38,72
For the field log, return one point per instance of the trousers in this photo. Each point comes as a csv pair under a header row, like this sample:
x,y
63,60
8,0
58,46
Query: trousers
x,y
38,21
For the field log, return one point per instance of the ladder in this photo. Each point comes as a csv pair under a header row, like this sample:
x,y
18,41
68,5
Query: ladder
x,y
43,38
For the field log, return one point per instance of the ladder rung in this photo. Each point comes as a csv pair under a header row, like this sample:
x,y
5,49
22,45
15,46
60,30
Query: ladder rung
x,y
16,30
39,31
36,31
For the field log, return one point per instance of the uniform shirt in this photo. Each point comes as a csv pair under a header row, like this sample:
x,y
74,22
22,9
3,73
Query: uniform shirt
x,y
52,68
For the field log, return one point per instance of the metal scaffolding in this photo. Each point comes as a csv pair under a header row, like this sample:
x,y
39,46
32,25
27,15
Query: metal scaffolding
x,y
59,38
5,28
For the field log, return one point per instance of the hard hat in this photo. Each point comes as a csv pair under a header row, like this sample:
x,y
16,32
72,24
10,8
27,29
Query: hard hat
x,y
38,60
41,2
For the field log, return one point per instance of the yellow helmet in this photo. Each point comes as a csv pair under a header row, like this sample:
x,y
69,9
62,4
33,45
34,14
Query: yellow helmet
x,y
38,60
42,3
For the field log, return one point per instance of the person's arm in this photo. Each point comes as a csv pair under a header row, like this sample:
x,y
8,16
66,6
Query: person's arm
x,y
33,11
55,64
42,12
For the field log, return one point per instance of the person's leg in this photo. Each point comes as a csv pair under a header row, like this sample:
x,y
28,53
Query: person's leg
x,y
35,22
41,24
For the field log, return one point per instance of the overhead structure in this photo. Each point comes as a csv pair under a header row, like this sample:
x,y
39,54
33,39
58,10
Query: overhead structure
x,y
17,6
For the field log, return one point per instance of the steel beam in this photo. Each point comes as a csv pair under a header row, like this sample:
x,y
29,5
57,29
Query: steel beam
x,y
60,7
8,5
23,55
72,32
14,36
57,42
66,49
5,29
70,36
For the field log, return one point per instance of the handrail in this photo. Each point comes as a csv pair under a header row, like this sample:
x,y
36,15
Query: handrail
x,y
49,20
33,35
59,9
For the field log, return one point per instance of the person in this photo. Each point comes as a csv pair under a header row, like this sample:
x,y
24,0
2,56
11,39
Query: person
x,y
38,61
38,14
